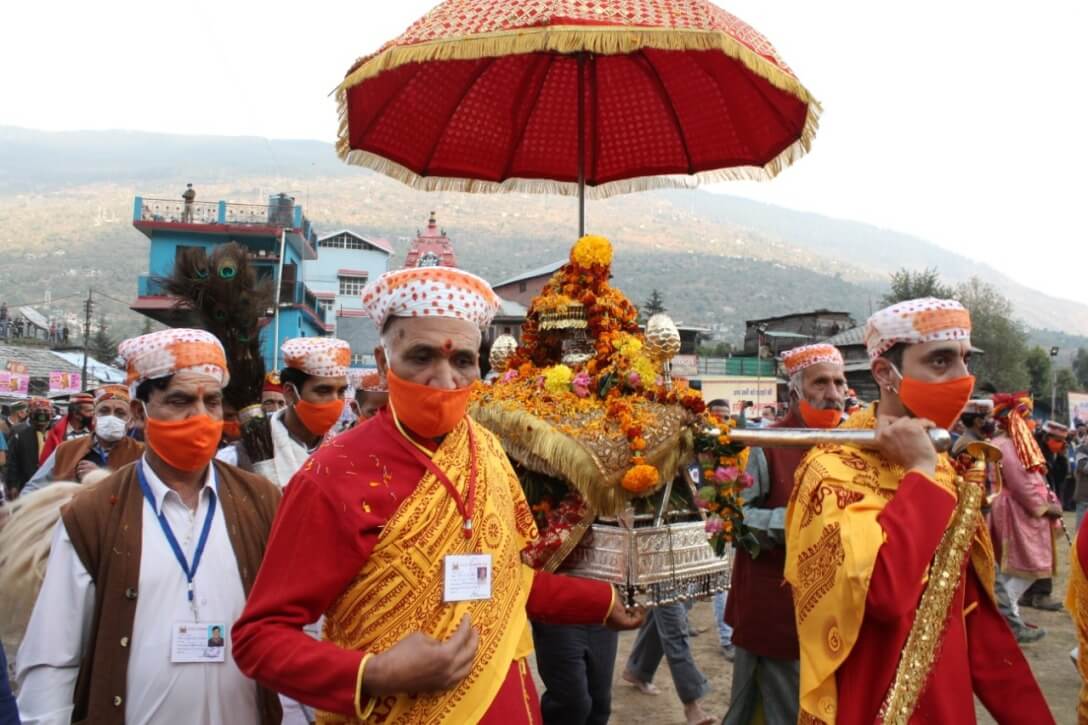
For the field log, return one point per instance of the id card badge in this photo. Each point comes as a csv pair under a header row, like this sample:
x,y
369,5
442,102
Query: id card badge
x,y
468,577
198,642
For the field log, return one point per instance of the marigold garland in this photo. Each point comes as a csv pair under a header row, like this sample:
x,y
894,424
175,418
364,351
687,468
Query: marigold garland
x,y
619,380
722,482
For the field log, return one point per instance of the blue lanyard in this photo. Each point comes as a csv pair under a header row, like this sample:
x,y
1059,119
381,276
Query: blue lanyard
x,y
190,571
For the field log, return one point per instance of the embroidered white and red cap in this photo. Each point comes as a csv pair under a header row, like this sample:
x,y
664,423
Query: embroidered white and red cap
x,y
323,357
799,358
169,352
927,319
430,292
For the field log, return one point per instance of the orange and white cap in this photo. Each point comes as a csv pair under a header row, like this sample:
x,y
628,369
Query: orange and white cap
x,y
169,352
111,392
430,292
799,358
927,319
372,382
323,357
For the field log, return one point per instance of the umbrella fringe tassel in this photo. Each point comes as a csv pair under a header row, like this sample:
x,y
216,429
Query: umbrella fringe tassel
x,y
381,164
574,39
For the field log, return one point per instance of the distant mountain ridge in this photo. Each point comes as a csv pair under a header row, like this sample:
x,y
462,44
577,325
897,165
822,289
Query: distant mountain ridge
x,y
66,200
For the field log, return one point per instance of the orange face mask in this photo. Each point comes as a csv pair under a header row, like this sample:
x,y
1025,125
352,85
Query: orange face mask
x,y
941,402
1055,445
318,417
232,430
187,445
819,417
426,411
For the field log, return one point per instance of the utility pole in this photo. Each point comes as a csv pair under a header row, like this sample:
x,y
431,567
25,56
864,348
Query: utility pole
x,y
1053,382
88,308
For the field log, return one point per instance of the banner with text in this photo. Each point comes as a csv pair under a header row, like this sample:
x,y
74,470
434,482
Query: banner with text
x,y
61,383
1078,407
737,389
14,385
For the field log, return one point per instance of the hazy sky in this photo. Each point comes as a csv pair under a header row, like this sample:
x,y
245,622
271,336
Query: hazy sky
x,y
961,122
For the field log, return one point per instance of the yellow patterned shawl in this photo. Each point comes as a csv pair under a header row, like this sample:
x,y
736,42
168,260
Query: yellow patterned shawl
x,y
832,542
399,590
1076,601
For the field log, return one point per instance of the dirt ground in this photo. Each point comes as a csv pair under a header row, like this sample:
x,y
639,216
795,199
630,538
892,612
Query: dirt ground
x,y
1049,659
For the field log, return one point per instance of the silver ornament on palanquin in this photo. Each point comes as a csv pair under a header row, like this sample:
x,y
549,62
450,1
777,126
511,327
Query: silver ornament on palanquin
x,y
501,351
662,338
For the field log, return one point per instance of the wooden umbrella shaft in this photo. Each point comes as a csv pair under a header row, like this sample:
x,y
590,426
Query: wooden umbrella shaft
x,y
581,145
806,437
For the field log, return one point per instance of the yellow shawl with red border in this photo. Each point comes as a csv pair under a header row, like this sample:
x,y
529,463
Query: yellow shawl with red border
x,y
399,590
832,541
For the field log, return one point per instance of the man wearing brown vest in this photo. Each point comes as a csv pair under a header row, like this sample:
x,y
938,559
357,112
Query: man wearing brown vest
x,y
108,447
766,673
146,564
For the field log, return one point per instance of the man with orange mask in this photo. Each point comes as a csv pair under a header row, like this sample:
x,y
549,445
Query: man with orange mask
x,y
314,380
372,395
387,529
145,563
760,606
888,555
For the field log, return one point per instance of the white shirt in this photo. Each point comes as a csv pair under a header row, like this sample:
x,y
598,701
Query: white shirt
x,y
157,690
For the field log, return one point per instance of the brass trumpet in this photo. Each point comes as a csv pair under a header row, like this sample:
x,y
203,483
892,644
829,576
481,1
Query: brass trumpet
x,y
808,437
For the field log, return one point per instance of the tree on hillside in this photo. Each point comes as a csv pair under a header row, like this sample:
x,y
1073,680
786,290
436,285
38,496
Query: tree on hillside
x,y
1002,339
1080,368
101,346
654,304
1038,365
909,285
1065,382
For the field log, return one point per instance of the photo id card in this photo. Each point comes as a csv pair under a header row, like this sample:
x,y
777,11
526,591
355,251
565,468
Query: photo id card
x,y
468,577
199,642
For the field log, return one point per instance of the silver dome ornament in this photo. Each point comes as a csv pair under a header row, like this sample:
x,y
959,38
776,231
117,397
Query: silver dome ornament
x,y
501,351
662,344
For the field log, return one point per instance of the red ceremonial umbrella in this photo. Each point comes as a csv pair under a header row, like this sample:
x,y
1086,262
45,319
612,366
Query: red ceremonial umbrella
x,y
560,95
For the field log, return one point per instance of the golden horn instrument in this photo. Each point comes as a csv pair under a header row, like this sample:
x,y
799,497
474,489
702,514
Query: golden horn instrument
x,y
808,437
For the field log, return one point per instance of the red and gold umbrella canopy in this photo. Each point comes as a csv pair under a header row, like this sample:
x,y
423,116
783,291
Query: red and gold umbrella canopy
x,y
490,95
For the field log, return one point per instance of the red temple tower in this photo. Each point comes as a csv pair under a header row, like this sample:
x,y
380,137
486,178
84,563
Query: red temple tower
x,y
431,248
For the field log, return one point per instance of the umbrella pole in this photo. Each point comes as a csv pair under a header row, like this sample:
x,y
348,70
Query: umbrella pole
x,y
581,146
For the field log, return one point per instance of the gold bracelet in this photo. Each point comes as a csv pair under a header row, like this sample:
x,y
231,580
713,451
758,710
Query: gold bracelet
x,y
361,712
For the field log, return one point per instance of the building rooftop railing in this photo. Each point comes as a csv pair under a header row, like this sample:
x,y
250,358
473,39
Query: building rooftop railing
x,y
286,214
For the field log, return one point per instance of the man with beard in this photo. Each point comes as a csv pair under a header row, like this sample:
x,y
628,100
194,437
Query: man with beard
x,y
888,555
76,424
760,605
25,445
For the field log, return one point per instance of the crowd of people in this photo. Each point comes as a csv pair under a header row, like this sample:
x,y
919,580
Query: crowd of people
x,y
15,327
372,570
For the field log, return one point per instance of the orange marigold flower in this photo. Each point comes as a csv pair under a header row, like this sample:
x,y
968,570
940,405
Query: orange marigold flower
x,y
638,444
640,478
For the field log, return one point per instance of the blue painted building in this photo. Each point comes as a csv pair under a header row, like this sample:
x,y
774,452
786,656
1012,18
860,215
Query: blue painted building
x,y
345,262
265,229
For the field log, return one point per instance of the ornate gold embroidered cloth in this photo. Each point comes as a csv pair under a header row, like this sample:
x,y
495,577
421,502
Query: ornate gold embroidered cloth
x,y
399,590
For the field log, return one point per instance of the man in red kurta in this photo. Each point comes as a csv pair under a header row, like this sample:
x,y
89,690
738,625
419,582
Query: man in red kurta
x,y
888,555
760,605
372,530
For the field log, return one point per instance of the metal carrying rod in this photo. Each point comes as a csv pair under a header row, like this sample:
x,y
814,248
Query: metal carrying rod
x,y
808,437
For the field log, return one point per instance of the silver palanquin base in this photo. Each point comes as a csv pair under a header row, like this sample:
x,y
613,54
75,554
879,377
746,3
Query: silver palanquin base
x,y
652,565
